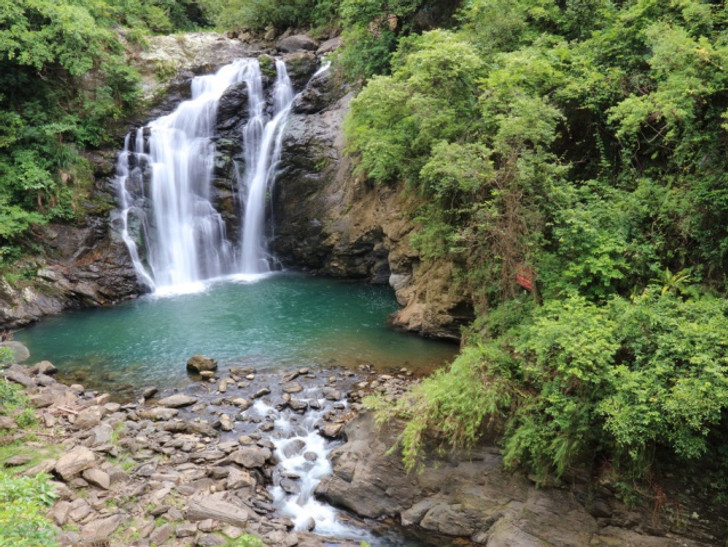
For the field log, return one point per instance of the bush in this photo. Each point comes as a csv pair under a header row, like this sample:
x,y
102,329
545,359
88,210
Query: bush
x,y
23,504
576,383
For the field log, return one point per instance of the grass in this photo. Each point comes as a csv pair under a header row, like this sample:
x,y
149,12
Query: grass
x,y
24,500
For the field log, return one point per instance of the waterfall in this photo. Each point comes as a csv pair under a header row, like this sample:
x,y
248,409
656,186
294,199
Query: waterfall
x,y
164,177
263,149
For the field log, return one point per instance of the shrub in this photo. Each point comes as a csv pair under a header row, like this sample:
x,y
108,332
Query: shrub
x,y
23,504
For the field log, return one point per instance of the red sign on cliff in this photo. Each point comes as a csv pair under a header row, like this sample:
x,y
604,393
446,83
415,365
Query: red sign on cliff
x,y
525,276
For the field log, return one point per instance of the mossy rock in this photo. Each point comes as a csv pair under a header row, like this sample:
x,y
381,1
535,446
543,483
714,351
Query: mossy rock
x,y
267,65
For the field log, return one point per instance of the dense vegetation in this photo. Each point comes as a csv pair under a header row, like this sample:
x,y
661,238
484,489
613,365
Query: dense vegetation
x,y
64,81
579,147
582,145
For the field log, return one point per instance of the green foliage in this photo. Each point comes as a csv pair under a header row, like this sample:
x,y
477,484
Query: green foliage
x,y
452,404
674,387
23,504
574,380
397,120
260,14
246,540
372,29
64,81
12,397
6,356
585,140
26,418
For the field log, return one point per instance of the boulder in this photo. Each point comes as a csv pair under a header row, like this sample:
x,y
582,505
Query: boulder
x,y
331,430
97,477
161,534
297,42
214,507
20,375
329,46
251,457
44,367
178,400
89,418
101,529
242,403
158,413
20,352
18,460
199,363
74,462
237,478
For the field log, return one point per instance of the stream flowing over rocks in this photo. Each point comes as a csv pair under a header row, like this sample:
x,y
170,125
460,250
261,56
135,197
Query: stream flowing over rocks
x,y
238,451
188,468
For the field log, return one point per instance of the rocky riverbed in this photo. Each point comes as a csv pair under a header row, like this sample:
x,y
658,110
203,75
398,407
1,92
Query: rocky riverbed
x,y
193,467
240,452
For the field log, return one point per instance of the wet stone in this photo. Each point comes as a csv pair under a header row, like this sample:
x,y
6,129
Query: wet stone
x,y
289,486
200,363
177,401
290,376
331,430
297,405
244,404
261,392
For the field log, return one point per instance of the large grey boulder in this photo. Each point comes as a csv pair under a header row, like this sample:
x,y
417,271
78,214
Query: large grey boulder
x,y
20,352
297,42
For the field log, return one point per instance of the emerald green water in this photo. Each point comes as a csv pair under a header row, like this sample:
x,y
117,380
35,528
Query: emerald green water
x,y
282,321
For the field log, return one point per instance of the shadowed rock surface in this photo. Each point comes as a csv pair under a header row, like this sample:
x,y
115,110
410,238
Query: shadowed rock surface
x,y
471,495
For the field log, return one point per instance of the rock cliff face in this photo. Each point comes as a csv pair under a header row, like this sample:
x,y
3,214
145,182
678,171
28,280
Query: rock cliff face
x,y
470,495
331,222
82,266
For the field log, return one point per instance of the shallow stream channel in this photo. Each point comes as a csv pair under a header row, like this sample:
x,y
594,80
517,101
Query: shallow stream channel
x,y
277,337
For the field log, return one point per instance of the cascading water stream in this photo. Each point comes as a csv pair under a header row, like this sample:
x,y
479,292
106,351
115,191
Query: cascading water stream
x,y
264,143
164,178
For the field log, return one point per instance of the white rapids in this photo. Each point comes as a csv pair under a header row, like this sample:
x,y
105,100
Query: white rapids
x,y
303,461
